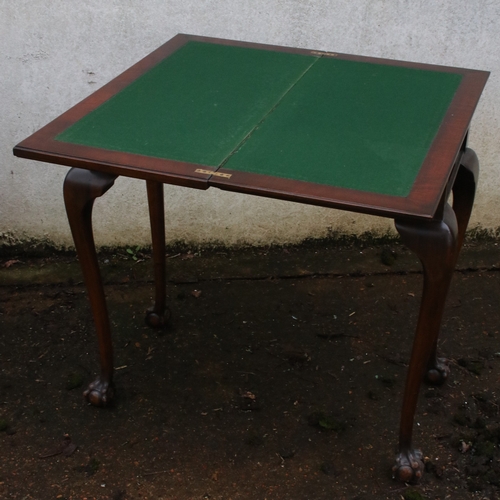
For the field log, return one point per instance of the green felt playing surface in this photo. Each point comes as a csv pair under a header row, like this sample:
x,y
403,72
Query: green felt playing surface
x,y
330,121
353,125
195,106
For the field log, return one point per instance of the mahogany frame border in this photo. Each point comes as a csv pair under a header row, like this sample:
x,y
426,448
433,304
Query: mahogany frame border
x,y
424,200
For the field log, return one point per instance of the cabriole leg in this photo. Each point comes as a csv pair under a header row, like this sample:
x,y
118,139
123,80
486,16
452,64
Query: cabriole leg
x,y
81,188
464,190
435,243
158,315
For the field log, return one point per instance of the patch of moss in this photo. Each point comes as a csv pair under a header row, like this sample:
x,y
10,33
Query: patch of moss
x,y
475,366
254,440
491,476
386,381
479,423
74,381
326,422
92,467
473,485
460,418
413,495
331,424
327,468
388,256
485,448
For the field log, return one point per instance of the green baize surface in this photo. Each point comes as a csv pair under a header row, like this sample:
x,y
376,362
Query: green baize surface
x,y
195,106
330,121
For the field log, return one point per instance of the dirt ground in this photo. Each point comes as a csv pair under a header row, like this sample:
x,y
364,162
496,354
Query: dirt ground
x,y
280,376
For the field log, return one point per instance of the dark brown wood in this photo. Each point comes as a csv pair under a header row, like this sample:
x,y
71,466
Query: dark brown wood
x,y
427,192
319,194
42,146
464,190
423,201
158,315
114,162
81,188
435,243
426,223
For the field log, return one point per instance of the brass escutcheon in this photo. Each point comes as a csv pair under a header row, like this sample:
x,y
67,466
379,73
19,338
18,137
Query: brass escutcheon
x,y
318,53
212,172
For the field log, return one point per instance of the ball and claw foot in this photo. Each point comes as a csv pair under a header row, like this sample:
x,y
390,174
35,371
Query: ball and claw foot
x,y
438,374
155,320
99,393
409,466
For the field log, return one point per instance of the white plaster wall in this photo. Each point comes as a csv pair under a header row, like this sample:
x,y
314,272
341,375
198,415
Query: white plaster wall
x,y
54,53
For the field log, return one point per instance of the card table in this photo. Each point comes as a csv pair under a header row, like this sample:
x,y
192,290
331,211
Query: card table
x,y
377,136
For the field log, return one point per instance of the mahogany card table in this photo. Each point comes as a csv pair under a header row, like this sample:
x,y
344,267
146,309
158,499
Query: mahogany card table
x,y
377,136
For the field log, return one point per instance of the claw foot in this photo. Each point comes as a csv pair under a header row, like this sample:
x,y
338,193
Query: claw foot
x,y
438,374
99,393
409,466
155,320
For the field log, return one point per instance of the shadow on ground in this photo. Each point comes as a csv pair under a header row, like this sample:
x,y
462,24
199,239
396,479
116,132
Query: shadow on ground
x,y
280,376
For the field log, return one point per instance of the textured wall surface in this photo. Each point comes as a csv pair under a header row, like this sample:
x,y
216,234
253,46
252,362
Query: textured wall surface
x,y
56,53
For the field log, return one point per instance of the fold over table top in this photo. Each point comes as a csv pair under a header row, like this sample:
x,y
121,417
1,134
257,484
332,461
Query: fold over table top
x,y
363,134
